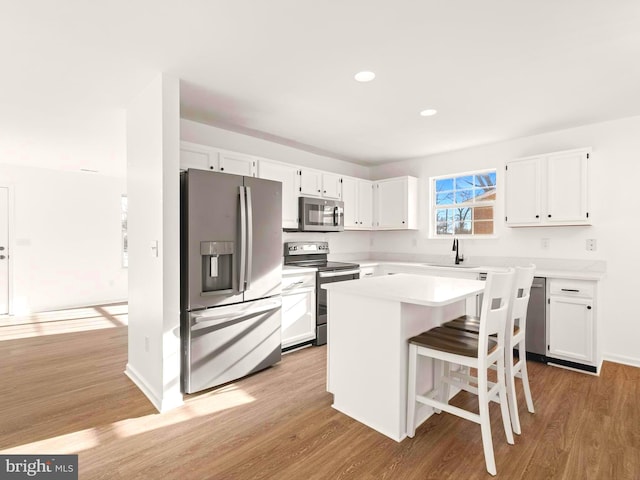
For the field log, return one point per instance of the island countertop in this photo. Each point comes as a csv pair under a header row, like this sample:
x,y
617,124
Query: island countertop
x,y
424,290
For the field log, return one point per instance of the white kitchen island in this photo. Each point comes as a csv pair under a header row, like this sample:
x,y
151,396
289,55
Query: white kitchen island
x,y
369,323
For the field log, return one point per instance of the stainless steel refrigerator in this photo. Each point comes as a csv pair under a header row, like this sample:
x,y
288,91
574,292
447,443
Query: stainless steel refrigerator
x,y
231,260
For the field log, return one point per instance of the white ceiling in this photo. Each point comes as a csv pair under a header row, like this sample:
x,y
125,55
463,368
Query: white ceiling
x,y
283,70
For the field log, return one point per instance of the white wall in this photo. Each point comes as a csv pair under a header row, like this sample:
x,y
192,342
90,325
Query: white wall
x,y
66,247
153,133
614,172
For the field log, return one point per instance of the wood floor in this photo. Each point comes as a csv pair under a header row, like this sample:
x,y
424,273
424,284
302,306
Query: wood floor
x,y
66,393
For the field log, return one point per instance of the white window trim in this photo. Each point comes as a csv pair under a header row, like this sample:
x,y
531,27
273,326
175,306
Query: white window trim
x,y
432,207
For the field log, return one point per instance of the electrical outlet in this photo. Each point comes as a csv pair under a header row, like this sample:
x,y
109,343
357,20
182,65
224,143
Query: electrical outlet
x,y
592,245
544,243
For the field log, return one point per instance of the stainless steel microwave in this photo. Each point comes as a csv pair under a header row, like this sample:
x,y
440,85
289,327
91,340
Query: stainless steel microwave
x,y
320,215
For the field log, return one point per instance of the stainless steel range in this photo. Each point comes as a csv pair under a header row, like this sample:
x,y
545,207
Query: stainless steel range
x,y
314,254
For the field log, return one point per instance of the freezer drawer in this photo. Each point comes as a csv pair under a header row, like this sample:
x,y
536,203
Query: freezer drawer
x,y
223,344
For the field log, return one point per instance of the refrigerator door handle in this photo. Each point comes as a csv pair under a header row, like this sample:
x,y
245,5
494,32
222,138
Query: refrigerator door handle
x,y
243,240
249,254
212,319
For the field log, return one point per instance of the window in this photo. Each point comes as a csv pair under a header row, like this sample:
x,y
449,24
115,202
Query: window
x,y
123,223
464,204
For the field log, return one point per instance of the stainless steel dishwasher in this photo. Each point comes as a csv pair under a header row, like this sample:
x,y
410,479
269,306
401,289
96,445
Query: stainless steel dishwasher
x,y
536,338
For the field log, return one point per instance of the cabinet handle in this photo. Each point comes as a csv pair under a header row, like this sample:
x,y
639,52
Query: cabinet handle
x,y
318,191
537,216
402,221
570,290
549,215
222,169
324,191
211,167
588,307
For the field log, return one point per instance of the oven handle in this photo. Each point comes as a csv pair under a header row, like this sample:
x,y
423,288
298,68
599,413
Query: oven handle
x,y
338,273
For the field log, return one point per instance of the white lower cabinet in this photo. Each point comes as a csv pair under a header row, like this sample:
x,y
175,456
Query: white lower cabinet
x,y
571,325
370,271
298,308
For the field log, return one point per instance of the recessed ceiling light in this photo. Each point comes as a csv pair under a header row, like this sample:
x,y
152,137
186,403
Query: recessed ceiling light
x,y
364,76
428,112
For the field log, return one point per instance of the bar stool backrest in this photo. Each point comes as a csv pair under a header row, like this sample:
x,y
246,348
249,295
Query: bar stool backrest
x,y
495,307
520,298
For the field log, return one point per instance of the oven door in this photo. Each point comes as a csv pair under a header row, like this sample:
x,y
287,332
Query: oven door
x,y
317,215
321,298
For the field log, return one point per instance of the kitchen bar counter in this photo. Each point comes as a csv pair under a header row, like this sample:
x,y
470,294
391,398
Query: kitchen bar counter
x,y
369,323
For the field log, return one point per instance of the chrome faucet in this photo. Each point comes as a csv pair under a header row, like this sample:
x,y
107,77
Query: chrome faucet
x,y
456,248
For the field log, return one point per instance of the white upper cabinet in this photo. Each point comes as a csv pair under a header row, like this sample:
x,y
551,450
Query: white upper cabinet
x,y
315,183
332,186
310,182
290,178
203,157
396,203
237,164
357,195
550,189
522,198
197,156
567,193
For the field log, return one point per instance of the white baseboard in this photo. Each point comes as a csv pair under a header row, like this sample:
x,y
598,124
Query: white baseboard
x,y
162,404
633,362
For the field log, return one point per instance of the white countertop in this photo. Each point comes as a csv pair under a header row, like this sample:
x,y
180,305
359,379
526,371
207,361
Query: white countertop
x,y
409,288
544,272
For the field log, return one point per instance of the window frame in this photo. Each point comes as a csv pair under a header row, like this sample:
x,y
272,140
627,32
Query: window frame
x,y
433,207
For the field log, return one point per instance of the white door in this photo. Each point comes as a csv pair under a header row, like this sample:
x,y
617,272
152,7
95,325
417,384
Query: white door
x,y
237,164
350,199
365,204
310,182
331,186
4,251
567,187
392,204
522,200
288,175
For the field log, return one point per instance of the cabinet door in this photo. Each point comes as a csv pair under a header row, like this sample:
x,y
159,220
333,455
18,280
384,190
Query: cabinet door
x,y
391,204
288,175
310,182
522,198
567,187
237,164
331,186
365,204
197,156
571,329
298,317
350,199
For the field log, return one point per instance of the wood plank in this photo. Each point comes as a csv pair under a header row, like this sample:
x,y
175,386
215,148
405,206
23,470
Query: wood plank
x,y
65,392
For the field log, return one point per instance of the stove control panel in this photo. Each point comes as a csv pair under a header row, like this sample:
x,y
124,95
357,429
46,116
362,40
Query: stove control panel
x,y
305,248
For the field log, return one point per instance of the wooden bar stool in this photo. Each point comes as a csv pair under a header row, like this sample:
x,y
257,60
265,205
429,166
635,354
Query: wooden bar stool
x,y
447,345
515,334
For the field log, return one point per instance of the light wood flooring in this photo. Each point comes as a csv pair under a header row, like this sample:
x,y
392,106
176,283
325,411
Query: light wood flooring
x,y
66,393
